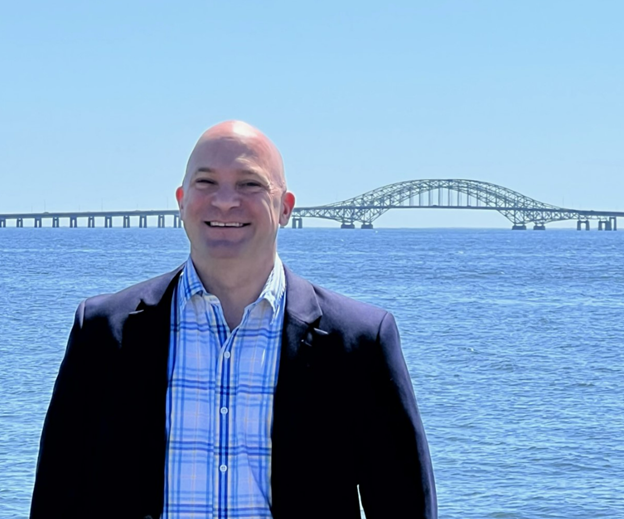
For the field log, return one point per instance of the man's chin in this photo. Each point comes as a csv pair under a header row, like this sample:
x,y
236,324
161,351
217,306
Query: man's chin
x,y
221,249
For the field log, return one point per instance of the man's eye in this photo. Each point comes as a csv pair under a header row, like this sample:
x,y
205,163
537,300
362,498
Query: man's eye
x,y
205,181
251,184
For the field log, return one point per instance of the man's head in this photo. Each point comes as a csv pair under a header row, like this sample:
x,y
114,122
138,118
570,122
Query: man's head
x,y
233,197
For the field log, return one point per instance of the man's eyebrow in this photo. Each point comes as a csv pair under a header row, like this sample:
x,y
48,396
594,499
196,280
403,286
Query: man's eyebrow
x,y
252,172
243,171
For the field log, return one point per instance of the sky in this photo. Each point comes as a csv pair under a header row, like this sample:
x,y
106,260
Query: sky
x,y
102,102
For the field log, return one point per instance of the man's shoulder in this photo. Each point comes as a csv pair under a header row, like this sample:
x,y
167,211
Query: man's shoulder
x,y
149,292
332,301
339,310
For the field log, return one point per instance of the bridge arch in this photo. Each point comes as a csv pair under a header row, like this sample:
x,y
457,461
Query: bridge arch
x,y
442,193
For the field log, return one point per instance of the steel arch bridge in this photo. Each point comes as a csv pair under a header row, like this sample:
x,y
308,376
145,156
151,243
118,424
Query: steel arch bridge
x,y
519,209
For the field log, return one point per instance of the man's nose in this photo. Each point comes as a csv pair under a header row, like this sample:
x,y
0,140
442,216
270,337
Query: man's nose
x,y
225,198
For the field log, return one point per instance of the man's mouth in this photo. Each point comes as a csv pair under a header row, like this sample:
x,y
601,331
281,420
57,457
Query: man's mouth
x,y
226,224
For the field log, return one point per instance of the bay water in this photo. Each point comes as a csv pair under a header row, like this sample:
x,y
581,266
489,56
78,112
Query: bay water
x,y
514,341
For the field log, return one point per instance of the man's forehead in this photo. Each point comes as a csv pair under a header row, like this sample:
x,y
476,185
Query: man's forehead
x,y
240,167
245,150
229,149
239,160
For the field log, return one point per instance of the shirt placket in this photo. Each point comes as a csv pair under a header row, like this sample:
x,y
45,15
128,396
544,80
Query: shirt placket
x,y
223,402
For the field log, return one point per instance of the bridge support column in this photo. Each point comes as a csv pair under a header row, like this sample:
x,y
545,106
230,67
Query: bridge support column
x,y
368,225
613,220
347,225
126,221
91,222
297,223
143,221
582,223
108,221
73,222
176,221
38,223
539,227
19,222
518,227
161,221
55,222
2,223
605,225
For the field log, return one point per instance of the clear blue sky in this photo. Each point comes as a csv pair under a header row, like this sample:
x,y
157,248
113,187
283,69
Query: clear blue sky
x,y
101,102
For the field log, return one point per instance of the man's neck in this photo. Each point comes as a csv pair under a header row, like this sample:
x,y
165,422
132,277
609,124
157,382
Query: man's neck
x,y
234,282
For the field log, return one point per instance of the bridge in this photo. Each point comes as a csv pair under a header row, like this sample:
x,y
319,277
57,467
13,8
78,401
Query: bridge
x,y
90,216
519,209
364,209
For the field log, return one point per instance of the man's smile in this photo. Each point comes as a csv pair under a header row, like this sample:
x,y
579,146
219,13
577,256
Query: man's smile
x,y
226,224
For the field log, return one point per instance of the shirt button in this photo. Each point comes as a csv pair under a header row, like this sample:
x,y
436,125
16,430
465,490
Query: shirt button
x,y
224,410
227,354
223,468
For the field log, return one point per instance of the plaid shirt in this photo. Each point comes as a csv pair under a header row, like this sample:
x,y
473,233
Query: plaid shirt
x,y
220,402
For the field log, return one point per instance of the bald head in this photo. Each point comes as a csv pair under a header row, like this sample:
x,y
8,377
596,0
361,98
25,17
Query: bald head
x,y
237,139
233,200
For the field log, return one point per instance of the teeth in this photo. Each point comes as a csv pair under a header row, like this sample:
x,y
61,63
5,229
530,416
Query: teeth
x,y
222,224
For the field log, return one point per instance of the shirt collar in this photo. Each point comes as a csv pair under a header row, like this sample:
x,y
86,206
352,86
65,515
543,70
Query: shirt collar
x,y
272,292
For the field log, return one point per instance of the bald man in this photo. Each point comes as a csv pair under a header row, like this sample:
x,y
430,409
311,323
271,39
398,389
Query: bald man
x,y
230,387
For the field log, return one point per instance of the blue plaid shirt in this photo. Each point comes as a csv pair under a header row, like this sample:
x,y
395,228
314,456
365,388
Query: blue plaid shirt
x,y
220,402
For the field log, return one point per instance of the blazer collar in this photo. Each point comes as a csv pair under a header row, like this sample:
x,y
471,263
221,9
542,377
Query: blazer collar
x,y
301,302
158,290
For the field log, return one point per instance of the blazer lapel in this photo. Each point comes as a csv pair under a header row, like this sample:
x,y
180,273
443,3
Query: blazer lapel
x,y
144,379
302,314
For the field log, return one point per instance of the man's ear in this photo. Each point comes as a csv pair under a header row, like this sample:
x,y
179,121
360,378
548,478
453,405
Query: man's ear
x,y
288,204
179,194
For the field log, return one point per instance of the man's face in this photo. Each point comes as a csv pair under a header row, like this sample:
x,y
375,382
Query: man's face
x,y
233,199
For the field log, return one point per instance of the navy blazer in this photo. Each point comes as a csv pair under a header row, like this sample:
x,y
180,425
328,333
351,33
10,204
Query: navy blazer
x,y
344,412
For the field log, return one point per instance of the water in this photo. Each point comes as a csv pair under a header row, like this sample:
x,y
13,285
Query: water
x,y
513,340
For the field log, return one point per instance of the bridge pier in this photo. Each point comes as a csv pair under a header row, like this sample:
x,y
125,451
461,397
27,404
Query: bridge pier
x,y
126,221
2,223
143,221
518,227
582,223
346,225
607,225
38,223
91,222
73,222
19,222
55,222
368,225
161,221
108,222
613,221
539,227
297,223
177,221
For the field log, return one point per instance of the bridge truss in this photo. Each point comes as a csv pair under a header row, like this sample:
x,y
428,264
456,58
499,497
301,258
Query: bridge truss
x,y
450,194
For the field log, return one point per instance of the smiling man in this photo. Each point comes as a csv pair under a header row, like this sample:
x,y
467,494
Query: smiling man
x,y
230,387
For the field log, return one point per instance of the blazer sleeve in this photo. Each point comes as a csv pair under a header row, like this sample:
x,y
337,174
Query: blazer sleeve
x,y
396,476
60,473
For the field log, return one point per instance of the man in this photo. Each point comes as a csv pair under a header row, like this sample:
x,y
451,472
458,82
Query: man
x,y
232,388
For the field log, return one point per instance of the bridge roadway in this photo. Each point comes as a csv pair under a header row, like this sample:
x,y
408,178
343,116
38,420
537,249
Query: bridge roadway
x,y
460,194
105,216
